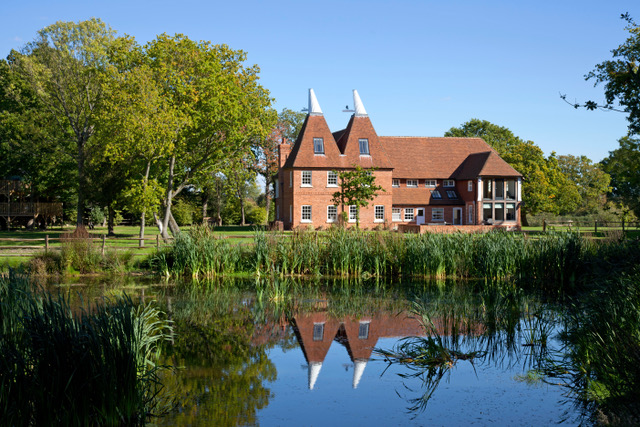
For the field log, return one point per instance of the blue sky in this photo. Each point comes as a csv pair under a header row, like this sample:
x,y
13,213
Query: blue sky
x,y
420,67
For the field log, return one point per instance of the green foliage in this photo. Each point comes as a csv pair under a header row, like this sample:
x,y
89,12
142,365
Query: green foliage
x,y
622,165
183,211
545,187
591,180
94,367
357,188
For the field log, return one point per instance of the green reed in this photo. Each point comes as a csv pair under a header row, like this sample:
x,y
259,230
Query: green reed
x,y
93,367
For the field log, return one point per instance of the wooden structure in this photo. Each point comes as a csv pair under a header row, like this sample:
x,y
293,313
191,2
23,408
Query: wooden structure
x,y
16,205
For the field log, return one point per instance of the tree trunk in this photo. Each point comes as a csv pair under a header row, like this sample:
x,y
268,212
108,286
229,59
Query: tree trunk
x,y
142,220
110,225
168,197
158,223
242,221
523,218
267,195
81,185
205,204
173,225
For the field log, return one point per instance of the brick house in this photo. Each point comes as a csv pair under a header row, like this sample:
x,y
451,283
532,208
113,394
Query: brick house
x,y
427,180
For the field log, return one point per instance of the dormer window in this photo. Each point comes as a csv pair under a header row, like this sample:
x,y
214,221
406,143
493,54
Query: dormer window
x,y
436,194
364,146
395,182
452,194
318,146
449,183
430,183
413,183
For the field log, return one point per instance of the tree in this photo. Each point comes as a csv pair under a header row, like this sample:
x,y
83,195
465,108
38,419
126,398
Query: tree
x,y
545,187
357,188
224,106
287,128
63,66
591,180
623,165
621,78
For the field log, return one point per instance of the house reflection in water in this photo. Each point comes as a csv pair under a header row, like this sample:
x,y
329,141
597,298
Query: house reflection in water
x,y
317,331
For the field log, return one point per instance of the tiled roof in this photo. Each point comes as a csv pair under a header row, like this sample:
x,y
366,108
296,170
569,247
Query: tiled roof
x,y
361,127
421,196
443,158
302,155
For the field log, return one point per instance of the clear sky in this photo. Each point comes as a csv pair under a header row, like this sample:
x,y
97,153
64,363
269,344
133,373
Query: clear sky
x,y
420,67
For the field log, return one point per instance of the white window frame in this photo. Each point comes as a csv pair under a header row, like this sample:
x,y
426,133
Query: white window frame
x,y
306,176
470,214
318,331
396,214
409,214
302,213
437,214
412,183
364,141
378,213
318,142
290,179
430,183
436,194
353,213
470,186
449,183
330,175
276,189
332,216
395,182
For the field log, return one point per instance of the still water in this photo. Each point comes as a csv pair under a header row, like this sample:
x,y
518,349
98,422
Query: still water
x,y
306,353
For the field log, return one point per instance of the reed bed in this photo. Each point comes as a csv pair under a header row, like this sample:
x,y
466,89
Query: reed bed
x,y
93,367
551,258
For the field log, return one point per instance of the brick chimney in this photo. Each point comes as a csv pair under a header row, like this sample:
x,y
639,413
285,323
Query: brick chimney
x,y
283,152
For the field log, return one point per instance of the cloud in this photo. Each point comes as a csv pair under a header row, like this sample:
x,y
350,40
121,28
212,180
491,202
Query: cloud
x,y
17,39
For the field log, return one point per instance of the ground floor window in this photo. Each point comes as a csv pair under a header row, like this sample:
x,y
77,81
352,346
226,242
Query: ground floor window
x,y
470,214
511,211
332,213
379,213
306,213
498,211
290,213
353,213
487,211
396,214
437,214
408,214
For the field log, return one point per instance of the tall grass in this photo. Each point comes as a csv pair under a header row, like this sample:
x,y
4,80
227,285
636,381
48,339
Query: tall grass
x,y
93,367
552,258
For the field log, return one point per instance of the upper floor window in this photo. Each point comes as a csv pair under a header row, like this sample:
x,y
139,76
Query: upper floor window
x,y
452,194
430,183
332,179
412,183
511,189
306,178
499,189
436,194
364,146
395,182
449,183
318,146
470,185
487,189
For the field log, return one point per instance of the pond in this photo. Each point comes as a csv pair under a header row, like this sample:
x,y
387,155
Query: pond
x,y
334,352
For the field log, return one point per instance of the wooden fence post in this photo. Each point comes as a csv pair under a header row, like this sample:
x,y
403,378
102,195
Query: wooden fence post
x,y
104,238
46,243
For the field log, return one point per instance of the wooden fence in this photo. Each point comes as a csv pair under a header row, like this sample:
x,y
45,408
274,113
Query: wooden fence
x,y
45,244
596,225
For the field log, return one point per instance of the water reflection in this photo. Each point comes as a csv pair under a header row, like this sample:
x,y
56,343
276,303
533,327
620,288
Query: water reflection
x,y
228,334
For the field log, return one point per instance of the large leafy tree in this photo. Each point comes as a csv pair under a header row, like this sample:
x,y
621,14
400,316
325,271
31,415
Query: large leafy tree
x,y
224,107
623,165
621,78
357,188
64,68
591,180
287,128
546,188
